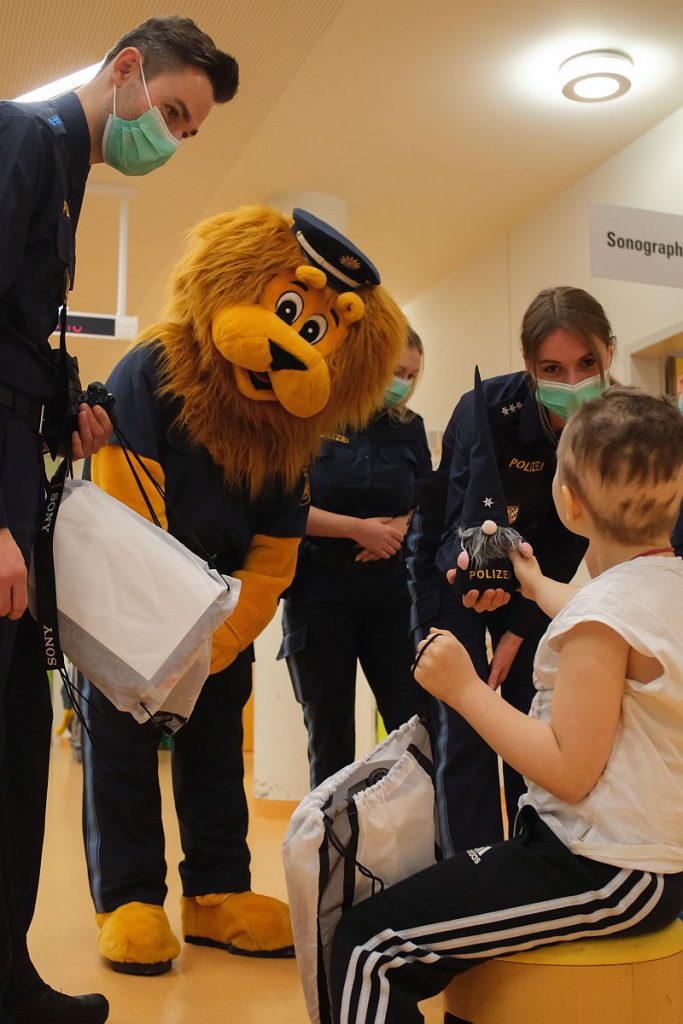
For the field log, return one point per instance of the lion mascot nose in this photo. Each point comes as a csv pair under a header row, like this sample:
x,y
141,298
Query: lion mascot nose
x,y
281,359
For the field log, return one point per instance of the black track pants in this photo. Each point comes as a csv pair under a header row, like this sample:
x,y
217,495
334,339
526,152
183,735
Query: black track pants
x,y
405,944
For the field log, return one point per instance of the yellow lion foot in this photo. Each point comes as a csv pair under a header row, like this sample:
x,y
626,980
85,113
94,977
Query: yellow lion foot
x,y
136,938
241,922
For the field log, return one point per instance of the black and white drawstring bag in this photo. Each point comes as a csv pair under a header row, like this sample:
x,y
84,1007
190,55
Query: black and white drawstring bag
x,y
365,828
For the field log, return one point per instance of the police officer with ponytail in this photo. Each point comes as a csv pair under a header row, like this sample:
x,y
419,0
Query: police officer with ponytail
x,y
567,345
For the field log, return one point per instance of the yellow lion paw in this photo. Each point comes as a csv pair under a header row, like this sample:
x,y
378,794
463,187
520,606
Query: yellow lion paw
x,y
136,938
245,923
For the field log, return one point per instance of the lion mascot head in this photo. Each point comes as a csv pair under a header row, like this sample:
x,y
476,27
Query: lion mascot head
x,y
268,345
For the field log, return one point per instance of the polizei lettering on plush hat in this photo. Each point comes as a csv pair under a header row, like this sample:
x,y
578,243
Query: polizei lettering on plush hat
x,y
490,574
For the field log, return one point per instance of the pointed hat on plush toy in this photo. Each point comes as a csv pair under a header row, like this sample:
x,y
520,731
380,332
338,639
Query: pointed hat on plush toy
x,y
486,536
484,498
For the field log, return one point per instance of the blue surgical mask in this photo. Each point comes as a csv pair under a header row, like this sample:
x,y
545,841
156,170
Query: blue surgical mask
x,y
397,390
138,146
680,402
565,399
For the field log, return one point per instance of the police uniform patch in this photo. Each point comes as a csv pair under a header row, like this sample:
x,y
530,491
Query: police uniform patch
x,y
527,465
52,119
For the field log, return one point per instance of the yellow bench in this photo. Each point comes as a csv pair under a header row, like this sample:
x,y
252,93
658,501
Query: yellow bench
x,y
625,980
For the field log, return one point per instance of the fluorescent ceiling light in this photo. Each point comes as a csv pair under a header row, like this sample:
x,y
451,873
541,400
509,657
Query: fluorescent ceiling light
x,y
596,76
72,81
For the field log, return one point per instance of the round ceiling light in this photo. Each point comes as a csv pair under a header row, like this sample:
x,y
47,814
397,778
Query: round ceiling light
x,y
596,76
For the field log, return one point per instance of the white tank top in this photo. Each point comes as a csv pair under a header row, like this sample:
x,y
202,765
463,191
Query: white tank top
x,y
633,816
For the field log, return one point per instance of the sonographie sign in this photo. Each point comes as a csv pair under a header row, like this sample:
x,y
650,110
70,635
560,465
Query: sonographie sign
x,y
630,244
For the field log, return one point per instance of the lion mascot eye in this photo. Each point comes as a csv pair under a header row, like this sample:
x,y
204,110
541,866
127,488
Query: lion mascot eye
x,y
314,330
289,307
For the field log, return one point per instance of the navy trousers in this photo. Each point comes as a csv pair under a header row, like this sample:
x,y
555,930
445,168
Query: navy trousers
x,y
466,768
25,722
122,826
334,618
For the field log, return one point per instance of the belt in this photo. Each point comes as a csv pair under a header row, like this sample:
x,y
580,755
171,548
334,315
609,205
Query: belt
x,y
25,408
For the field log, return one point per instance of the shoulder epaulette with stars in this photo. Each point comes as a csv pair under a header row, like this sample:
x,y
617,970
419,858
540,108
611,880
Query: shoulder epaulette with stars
x,y
512,407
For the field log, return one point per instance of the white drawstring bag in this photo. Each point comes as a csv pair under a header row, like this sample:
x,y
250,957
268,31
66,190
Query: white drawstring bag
x,y
365,828
136,609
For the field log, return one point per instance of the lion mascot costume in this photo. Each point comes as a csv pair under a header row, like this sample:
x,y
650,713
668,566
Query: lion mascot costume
x,y
277,332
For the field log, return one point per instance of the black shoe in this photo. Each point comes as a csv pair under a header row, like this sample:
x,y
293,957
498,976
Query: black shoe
x,y
52,1007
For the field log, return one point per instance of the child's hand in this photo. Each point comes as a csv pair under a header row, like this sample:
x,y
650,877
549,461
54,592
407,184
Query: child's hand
x,y
443,666
527,570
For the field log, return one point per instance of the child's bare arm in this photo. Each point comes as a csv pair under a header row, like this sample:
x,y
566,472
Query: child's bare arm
x,y
567,756
549,595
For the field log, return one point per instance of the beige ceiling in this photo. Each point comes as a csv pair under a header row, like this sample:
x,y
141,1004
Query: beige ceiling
x,y
413,111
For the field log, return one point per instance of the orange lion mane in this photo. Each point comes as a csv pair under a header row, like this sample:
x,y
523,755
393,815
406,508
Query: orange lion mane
x,y
230,259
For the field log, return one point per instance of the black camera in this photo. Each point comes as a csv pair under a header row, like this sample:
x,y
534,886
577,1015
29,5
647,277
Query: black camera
x,y
94,394
97,394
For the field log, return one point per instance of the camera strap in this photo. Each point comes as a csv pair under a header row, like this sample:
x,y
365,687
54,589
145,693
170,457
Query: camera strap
x,y
44,569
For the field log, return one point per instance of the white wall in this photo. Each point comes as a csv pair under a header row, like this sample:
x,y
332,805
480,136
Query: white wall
x,y
462,320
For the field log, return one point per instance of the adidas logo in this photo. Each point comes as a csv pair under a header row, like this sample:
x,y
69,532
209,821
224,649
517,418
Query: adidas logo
x,y
477,853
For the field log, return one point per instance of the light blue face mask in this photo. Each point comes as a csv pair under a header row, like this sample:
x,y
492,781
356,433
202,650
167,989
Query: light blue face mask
x,y
138,146
565,399
397,390
680,402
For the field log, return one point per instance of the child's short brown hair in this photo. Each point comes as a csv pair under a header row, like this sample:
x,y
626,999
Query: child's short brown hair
x,y
622,454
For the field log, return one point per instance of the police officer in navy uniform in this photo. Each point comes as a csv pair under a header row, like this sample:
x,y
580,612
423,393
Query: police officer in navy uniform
x,y
46,152
349,601
567,345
